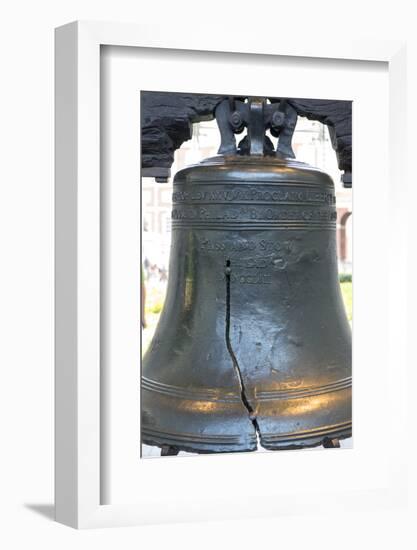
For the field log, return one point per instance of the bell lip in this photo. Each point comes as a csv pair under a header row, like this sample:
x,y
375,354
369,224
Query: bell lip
x,y
273,167
249,444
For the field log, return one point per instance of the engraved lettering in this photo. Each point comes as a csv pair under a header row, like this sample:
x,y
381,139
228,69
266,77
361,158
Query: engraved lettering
x,y
252,194
258,279
249,214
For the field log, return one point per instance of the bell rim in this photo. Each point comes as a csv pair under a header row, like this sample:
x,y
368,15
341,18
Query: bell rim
x,y
247,442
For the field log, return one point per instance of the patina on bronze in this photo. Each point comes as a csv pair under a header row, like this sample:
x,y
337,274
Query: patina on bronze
x,y
253,346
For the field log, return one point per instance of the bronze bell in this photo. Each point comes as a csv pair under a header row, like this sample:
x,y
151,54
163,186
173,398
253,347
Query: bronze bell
x,y
253,346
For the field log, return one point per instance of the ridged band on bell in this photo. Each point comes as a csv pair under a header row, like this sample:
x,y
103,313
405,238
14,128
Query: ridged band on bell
x,y
253,327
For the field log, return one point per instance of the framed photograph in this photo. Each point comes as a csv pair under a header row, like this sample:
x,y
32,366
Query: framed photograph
x,y
228,259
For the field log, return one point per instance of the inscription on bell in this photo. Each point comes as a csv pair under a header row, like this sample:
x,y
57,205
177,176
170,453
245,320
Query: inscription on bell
x,y
262,246
191,213
227,246
257,278
252,194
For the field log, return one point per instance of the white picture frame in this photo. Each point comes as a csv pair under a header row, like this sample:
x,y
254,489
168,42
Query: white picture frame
x,y
78,264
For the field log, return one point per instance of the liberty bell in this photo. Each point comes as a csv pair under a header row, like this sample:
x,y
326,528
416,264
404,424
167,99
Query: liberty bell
x,y
253,346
